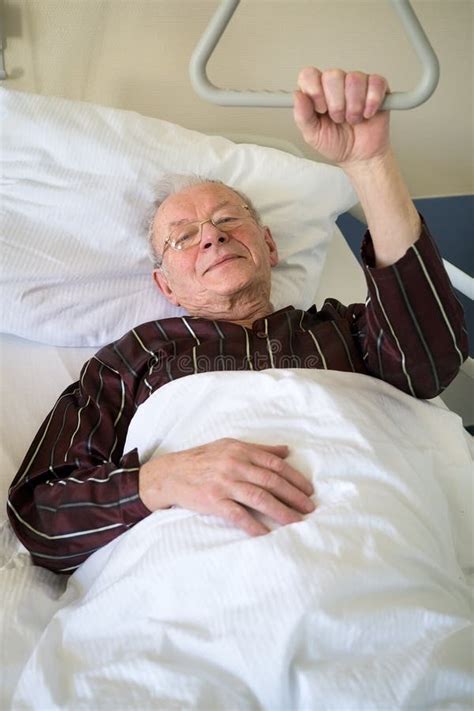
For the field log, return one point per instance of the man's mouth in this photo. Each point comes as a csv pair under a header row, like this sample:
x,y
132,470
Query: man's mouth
x,y
220,261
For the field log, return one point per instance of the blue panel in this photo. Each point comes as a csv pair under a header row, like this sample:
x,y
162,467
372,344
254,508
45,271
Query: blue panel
x,y
353,231
451,222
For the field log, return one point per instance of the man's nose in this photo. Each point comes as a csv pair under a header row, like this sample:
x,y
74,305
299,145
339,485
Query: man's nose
x,y
212,235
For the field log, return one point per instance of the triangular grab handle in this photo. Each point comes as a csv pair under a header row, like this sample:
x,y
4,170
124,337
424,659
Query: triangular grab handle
x,y
284,99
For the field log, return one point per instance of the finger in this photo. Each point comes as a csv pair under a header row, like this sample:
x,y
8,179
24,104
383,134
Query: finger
x,y
356,93
267,460
309,82
304,115
240,517
280,449
333,81
376,91
262,501
281,489
239,447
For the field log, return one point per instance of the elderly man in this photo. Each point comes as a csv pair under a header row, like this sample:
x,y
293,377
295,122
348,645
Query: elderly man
x,y
77,489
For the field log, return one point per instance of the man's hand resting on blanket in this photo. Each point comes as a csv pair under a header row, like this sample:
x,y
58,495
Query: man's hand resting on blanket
x,y
226,478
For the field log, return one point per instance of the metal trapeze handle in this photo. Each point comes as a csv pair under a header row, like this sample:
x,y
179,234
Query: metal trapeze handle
x,y
284,99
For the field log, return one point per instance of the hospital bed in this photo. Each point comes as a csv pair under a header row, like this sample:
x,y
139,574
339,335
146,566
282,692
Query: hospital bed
x,y
366,605
79,181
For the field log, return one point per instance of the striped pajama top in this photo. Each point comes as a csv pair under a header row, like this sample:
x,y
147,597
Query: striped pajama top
x,y
77,489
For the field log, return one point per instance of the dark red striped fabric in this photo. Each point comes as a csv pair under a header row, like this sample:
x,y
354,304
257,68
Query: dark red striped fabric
x,y
77,489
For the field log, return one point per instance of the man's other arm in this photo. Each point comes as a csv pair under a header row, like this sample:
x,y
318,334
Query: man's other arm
x,y
76,490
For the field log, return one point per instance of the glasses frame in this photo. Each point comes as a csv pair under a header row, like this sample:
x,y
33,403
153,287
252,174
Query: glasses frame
x,y
168,243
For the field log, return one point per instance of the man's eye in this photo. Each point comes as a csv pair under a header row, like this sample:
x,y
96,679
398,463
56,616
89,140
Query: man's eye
x,y
226,220
181,239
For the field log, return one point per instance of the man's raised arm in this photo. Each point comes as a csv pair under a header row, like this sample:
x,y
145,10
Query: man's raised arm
x,y
412,332
338,115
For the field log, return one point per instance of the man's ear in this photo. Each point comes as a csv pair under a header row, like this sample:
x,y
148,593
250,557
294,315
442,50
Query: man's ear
x,y
272,248
162,284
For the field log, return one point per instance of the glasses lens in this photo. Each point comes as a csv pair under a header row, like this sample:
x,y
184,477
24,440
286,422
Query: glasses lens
x,y
185,236
226,220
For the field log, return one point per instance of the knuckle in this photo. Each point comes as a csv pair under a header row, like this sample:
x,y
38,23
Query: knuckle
x,y
268,460
213,491
354,79
355,112
309,74
243,520
257,497
378,78
274,463
377,82
332,74
227,441
337,114
235,515
230,449
317,95
371,106
269,480
309,81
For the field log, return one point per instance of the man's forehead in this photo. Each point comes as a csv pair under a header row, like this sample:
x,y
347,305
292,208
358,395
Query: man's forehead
x,y
184,204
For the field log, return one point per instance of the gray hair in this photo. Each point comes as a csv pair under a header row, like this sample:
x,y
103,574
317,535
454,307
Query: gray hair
x,y
173,183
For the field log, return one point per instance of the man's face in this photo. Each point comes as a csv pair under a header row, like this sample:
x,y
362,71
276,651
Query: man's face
x,y
222,264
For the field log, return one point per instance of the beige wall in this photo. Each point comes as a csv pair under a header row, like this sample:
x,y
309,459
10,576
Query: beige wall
x,y
135,53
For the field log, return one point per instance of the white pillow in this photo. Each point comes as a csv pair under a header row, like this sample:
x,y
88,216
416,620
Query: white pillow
x,y
76,186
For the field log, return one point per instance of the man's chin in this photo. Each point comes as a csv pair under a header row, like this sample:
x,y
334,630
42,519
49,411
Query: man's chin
x,y
230,289
228,283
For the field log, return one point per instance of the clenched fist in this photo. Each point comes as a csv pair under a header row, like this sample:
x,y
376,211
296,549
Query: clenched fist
x,y
338,114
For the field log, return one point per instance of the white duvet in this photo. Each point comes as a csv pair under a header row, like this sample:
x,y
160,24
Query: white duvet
x,y
363,605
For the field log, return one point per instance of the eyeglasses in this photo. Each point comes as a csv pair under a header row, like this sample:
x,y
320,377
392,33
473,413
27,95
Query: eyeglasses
x,y
189,234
